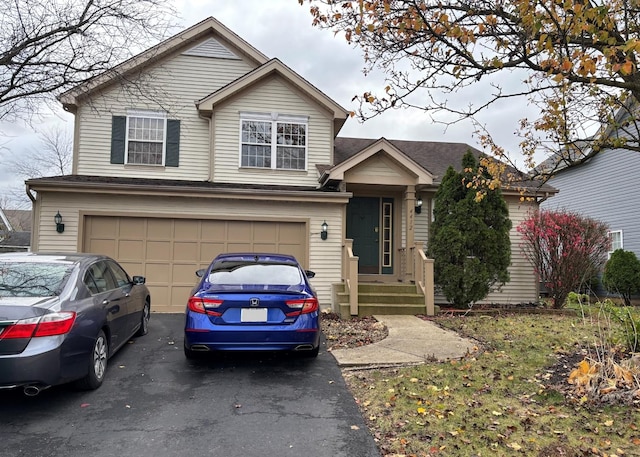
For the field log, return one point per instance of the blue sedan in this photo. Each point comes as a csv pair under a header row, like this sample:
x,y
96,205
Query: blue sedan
x,y
252,302
62,316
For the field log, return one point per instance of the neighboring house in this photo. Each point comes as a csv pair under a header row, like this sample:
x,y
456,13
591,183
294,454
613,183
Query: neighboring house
x,y
15,234
230,151
603,188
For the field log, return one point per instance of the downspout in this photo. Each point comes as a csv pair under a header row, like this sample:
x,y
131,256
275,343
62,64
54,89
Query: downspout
x,y
34,227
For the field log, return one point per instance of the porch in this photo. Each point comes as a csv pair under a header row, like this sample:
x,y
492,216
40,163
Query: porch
x,y
413,293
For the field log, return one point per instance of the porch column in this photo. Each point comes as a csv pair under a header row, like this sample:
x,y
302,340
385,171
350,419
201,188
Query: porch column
x,y
410,202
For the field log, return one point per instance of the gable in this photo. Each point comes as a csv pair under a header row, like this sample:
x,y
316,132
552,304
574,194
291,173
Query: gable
x,y
211,48
225,44
380,169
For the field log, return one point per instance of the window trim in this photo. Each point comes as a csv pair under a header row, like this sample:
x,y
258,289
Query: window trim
x,y
150,114
274,119
612,248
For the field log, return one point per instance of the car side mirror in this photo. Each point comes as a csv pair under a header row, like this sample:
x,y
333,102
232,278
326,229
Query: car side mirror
x,y
139,280
200,273
310,274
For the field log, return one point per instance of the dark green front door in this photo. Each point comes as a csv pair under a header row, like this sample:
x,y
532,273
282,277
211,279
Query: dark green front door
x,y
363,227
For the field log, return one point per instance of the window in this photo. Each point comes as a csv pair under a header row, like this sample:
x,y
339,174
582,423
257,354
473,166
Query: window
x,y
616,241
273,141
145,138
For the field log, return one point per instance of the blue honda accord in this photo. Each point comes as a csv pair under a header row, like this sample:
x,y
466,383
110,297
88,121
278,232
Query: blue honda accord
x,y
252,302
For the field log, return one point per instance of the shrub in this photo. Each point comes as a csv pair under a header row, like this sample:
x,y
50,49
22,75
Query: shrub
x,y
622,274
565,249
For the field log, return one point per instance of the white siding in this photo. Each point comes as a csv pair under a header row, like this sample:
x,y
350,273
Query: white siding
x,y
270,96
173,87
324,255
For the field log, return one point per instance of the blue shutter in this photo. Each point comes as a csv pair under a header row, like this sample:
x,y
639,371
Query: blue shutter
x,y
173,143
118,136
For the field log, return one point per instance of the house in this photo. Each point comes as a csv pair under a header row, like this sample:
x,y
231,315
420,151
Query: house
x,y
227,150
602,188
15,230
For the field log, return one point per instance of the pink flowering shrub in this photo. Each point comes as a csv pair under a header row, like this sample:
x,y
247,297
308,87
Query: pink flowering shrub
x,y
565,249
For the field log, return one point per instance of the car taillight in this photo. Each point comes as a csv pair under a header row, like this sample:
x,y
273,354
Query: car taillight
x,y
47,325
306,305
204,305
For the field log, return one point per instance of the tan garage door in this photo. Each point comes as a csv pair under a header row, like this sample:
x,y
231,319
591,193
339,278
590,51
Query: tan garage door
x,y
169,251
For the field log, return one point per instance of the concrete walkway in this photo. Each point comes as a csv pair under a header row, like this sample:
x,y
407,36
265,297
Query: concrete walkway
x,y
411,340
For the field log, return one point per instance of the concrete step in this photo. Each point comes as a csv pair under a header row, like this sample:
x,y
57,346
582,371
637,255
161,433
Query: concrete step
x,y
369,309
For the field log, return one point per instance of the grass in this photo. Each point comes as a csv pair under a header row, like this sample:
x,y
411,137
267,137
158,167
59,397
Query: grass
x,y
502,401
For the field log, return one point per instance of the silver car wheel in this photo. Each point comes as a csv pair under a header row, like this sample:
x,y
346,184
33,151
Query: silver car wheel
x,y
100,357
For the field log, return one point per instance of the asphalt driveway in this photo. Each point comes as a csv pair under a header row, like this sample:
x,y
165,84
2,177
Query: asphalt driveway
x,y
154,403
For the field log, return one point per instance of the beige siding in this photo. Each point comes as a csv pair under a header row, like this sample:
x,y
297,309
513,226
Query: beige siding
x,y
174,87
378,169
522,287
270,96
324,256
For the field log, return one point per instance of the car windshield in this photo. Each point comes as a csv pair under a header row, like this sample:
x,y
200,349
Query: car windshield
x,y
32,279
271,274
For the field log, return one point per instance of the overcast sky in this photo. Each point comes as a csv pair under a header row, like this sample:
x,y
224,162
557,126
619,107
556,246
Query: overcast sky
x,y
282,29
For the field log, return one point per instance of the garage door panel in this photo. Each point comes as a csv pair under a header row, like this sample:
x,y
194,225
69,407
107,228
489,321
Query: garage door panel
x,y
186,230
158,272
184,274
213,230
208,251
265,232
290,232
106,247
131,227
159,228
104,227
239,231
168,251
129,249
158,250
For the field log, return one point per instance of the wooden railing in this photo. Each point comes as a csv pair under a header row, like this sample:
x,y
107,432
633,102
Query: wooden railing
x,y
350,275
423,268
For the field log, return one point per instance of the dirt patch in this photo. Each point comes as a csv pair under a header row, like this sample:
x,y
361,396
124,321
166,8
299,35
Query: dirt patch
x,y
351,333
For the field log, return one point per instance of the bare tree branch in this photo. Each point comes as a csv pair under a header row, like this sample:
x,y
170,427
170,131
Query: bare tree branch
x,y
48,46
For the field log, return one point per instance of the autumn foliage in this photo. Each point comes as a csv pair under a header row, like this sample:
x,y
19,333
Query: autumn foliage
x,y
565,249
576,61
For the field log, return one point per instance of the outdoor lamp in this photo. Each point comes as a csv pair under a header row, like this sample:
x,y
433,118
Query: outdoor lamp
x,y
418,205
58,220
324,233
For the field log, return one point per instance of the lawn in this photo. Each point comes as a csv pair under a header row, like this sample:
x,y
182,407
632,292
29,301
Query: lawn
x,y
511,398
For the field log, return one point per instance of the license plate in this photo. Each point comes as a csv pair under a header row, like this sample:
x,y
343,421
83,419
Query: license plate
x,y
253,315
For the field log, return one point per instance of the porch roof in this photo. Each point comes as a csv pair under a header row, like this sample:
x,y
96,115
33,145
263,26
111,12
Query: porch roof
x,y
433,156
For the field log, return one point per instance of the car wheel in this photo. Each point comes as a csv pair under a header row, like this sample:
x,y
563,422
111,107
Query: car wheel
x,y
144,320
97,364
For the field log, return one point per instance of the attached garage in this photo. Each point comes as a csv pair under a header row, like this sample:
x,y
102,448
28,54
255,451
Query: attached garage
x,y
168,251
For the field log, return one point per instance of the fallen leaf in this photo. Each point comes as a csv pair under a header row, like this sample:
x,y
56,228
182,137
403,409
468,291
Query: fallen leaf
x,y
355,427
84,405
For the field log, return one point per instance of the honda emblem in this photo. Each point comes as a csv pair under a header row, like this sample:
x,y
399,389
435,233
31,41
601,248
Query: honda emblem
x,y
254,301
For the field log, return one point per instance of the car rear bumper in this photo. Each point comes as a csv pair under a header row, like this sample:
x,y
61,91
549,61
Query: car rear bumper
x,y
38,364
201,334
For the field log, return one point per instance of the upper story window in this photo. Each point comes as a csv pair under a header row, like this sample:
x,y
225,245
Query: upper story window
x,y
146,134
273,141
616,241
145,138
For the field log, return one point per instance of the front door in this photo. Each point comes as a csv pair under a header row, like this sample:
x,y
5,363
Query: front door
x,y
363,227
